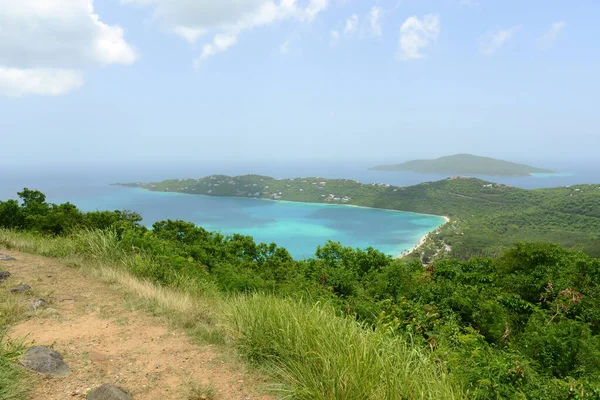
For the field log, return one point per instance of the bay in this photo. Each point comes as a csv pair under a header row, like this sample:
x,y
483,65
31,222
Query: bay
x,y
299,227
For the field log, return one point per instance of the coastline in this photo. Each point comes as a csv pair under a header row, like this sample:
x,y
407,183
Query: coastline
x,y
288,201
423,239
403,254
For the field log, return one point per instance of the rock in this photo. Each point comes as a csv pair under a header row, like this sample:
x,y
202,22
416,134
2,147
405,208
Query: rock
x,y
24,288
34,304
4,275
4,257
45,361
108,392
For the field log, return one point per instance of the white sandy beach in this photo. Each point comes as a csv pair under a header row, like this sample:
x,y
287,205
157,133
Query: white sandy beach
x,y
422,241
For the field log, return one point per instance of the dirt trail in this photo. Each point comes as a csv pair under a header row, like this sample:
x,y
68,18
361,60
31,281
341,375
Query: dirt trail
x,y
105,342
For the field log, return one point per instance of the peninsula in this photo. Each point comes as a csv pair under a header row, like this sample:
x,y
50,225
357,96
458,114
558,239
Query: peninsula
x,y
465,164
485,217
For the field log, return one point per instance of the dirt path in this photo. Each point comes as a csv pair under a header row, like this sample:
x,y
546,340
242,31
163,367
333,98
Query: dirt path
x,y
105,342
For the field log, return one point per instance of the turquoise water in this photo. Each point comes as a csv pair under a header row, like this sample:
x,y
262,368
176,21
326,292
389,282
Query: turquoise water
x,y
552,176
299,227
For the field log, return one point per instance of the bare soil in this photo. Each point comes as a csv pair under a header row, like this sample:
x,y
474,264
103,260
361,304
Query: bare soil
x,y
105,341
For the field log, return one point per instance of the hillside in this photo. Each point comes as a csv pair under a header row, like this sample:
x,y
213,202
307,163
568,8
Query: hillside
x,y
198,341
87,317
387,328
465,164
486,217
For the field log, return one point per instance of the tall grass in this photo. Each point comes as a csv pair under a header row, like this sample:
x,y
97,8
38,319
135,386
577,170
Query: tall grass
x,y
312,351
14,383
103,256
323,356
30,242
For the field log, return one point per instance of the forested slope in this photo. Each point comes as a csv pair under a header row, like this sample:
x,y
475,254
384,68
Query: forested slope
x,y
525,324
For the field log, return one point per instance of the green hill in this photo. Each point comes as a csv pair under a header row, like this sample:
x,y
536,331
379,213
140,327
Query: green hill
x,y
486,217
465,164
524,324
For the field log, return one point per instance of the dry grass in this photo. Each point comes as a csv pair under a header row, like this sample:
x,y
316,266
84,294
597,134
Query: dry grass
x,y
312,351
163,298
201,392
201,316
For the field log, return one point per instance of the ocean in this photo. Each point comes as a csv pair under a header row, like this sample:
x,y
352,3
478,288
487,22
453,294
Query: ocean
x,y
299,227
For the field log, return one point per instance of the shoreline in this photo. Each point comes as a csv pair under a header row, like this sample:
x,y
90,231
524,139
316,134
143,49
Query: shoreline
x,y
288,201
423,240
419,244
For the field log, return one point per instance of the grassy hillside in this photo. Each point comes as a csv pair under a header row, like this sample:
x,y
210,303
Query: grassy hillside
x,y
311,348
486,218
465,164
355,323
352,323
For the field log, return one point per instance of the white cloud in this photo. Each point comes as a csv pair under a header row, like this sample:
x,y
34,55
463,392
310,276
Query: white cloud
x,y
417,34
284,48
351,24
225,20
375,20
220,43
335,37
39,81
314,7
494,40
42,40
548,38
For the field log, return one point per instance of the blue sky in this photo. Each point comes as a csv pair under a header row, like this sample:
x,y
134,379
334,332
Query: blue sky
x,y
183,80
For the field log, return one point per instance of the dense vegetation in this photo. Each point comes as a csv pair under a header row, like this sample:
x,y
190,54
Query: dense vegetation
x,y
465,164
525,324
486,218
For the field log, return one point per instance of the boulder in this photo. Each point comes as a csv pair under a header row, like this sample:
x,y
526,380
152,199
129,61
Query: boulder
x,y
34,304
45,361
24,288
4,257
4,275
108,392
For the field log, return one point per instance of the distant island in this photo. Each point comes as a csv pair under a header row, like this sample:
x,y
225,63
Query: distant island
x,y
465,164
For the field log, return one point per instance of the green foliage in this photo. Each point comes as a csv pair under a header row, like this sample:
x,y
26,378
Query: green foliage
x,y
35,214
323,356
14,384
524,324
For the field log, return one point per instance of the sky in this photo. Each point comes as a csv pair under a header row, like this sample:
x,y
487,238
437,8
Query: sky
x,y
167,81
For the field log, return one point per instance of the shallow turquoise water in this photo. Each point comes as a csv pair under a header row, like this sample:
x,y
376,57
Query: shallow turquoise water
x,y
299,227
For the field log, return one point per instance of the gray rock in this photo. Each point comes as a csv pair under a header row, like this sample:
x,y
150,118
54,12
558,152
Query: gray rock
x,y
4,275
34,304
24,288
45,361
108,392
4,257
